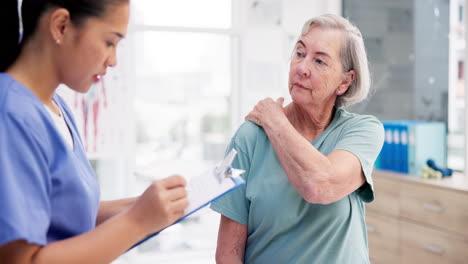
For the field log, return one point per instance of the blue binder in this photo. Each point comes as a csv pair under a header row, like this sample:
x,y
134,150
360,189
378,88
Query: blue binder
x,y
397,149
390,157
385,154
410,143
404,148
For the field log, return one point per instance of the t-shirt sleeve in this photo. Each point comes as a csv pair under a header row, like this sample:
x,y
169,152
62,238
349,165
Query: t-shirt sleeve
x,y
235,205
24,184
364,138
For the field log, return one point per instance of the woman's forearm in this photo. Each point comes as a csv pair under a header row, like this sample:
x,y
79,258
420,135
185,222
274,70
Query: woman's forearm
x,y
108,209
304,165
318,178
232,238
162,203
100,245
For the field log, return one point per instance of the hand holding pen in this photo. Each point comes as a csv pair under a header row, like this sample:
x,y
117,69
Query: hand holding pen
x,y
163,202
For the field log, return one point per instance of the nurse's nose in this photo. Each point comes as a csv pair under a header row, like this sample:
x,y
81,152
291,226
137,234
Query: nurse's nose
x,y
112,59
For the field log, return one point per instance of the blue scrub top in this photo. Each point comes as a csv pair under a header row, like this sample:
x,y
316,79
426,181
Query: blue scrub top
x,y
48,191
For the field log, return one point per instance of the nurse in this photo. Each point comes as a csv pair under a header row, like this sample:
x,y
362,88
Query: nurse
x,y
49,197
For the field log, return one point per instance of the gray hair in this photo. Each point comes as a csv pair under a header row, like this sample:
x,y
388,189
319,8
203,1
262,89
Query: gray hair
x,y
353,56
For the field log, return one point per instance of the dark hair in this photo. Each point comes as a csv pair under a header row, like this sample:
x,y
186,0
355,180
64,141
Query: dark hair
x,y
31,11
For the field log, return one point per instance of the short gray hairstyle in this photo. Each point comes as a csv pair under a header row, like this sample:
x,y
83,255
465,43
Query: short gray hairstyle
x,y
352,53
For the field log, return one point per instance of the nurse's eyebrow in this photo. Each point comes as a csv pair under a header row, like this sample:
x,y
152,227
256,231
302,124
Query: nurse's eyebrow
x,y
120,36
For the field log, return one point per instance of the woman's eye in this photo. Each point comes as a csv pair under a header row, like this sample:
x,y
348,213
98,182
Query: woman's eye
x,y
109,44
319,62
299,54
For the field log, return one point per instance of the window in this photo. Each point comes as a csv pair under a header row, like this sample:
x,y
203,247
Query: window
x,y
209,14
416,53
182,83
457,87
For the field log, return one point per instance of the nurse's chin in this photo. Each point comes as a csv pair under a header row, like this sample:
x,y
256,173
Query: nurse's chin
x,y
81,88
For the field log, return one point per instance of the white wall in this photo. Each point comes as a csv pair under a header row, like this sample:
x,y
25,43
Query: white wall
x,y
296,12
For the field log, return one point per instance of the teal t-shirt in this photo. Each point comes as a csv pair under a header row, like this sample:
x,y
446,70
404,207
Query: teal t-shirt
x,y
282,226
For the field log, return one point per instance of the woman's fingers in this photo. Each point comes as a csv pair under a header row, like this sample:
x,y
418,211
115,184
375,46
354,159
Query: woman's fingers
x,y
280,101
253,118
266,110
173,181
162,203
179,206
176,193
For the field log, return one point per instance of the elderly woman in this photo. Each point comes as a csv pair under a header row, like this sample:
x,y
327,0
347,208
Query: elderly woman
x,y
309,164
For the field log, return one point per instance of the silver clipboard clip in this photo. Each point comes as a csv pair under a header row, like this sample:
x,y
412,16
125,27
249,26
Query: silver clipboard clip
x,y
224,169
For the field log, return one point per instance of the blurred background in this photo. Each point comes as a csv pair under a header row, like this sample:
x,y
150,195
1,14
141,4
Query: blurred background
x,y
189,71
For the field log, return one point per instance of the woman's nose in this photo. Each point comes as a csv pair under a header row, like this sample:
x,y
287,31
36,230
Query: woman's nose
x,y
112,59
303,69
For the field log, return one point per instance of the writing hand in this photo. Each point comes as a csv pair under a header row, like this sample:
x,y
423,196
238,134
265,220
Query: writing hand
x,y
162,203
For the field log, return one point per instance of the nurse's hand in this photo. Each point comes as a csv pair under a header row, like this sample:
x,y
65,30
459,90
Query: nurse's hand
x,y
160,205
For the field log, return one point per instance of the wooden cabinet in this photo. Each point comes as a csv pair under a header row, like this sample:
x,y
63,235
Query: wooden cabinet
x,y
421,244
383,239
418,221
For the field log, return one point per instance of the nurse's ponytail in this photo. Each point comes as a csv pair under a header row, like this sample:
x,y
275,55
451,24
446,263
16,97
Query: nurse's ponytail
x,y
10,25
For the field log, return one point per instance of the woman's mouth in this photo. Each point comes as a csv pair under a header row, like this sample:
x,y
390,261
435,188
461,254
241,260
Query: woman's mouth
x,y
299,85
97,78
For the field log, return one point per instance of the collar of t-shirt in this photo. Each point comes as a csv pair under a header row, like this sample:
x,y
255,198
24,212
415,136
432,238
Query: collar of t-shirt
x,y
61,125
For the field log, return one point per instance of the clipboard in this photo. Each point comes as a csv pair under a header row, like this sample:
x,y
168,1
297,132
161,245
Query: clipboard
x,y
208,187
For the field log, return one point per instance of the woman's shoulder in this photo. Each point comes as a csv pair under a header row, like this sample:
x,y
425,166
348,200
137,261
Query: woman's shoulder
x,y
347,123
19,106
7,84
343,117
248,136
14,95
249,131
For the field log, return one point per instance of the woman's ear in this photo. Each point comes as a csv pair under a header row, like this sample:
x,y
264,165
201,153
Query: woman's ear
x,y
59,24
346,83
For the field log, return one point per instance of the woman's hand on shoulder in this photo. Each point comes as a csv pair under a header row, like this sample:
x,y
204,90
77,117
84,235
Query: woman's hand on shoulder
x,y
267,112
162,203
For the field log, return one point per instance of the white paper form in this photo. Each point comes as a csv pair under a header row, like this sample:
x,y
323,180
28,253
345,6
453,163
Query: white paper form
x,y
204,189
207,187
